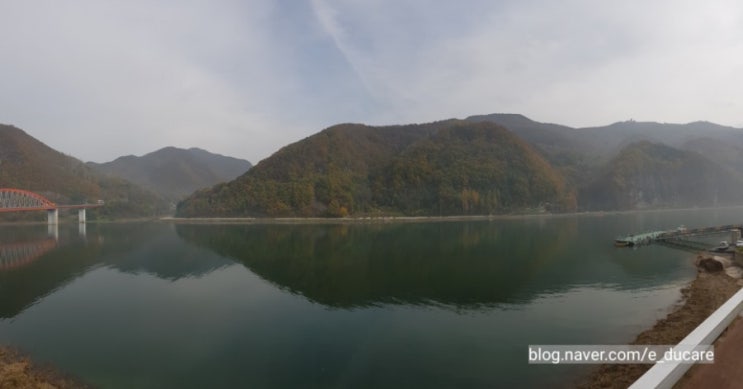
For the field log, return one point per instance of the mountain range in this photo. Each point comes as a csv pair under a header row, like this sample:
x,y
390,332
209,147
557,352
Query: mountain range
x,y
498,163
486,164
26,163
174,173
130,186
610,167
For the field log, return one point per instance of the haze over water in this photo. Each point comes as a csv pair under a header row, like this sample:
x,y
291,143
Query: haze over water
x,y
444,304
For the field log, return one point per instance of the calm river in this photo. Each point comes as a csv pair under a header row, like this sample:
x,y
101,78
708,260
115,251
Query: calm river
x,y
438,304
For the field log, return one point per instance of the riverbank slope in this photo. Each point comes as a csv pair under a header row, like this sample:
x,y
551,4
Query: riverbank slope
x,y
702,297
17,371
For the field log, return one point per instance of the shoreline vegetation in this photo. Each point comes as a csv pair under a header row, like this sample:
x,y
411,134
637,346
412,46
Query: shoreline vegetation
x,y
402,219
18,371
380,218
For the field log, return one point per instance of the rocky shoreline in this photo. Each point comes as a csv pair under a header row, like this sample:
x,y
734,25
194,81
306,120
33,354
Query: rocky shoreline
x,y
18,371
702,297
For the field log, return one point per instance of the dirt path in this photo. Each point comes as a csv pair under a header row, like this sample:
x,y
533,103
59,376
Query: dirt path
x,y
727,370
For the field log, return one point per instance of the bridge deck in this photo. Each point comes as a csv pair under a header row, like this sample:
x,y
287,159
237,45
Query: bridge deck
x,y
79,206
24,209
49,208
20,200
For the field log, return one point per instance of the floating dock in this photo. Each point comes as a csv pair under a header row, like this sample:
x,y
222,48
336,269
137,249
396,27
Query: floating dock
x,y
680,237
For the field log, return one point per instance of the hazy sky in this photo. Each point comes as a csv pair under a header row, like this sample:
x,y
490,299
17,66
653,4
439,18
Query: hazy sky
x,y
99,79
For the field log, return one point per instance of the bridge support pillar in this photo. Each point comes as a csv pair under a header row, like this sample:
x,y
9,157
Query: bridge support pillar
x,y
52,216
734,237
81,215
53,231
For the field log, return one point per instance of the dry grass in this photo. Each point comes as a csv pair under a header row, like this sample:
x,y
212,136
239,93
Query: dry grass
x,y
17,371
705,294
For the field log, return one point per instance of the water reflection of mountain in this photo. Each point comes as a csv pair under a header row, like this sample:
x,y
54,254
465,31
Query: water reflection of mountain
x,y
460,264
154,248
48,265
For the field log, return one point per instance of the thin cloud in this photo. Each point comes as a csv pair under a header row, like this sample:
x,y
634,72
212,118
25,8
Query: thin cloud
x,y
102,79
327,18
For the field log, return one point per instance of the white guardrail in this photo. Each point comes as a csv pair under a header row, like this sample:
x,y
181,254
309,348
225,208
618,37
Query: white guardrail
x,y
667,374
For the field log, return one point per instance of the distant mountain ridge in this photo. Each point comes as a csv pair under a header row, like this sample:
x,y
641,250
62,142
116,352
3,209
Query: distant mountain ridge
x,y
652,175
27,163
634,165
605,142
175,173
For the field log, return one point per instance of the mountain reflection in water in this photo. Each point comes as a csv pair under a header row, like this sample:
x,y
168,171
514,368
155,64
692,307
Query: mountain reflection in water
x,y
463,265
38,264
459,264
434,304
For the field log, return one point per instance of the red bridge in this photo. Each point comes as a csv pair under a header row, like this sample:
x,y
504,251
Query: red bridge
x,y
18,200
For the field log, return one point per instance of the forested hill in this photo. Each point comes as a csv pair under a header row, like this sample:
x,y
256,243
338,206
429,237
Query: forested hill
x,y
636,165
562,144
652,175
175,173
26,163
444,168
